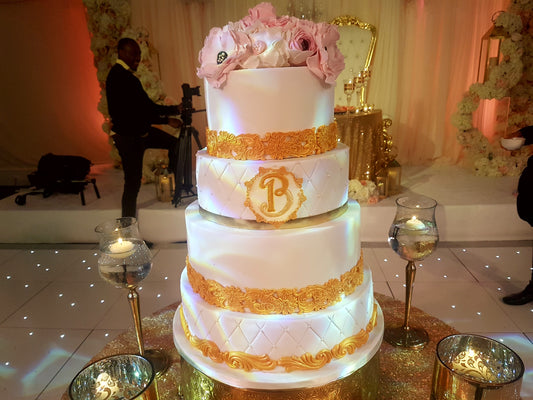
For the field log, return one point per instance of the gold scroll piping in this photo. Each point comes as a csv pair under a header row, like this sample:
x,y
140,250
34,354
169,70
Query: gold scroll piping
x,y
276,301
274,145
248,362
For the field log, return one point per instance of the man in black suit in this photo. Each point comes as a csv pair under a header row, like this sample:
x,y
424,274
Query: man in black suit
x,y
524,206
132,115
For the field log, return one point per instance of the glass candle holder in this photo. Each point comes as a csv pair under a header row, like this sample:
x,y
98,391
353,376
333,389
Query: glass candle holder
x,y
124,377
476,367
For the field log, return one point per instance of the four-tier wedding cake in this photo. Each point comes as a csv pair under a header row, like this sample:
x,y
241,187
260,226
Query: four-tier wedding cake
x,y
275,296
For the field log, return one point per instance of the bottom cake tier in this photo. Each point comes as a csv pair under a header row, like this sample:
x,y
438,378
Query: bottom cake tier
x,y
362,384
279,352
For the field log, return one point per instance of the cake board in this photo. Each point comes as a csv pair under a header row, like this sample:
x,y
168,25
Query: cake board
x,y
351,378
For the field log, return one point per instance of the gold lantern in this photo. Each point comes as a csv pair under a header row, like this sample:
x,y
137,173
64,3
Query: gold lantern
x,y
389,176
490,52
164,183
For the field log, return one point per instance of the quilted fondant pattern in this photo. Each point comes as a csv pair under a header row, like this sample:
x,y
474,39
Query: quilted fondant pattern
x,y
222,189
279,336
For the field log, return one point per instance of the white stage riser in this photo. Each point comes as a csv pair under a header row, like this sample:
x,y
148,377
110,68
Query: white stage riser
x,y
465,213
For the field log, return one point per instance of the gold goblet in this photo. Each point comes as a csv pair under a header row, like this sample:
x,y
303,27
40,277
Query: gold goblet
x,y
349,88
413,235
125,260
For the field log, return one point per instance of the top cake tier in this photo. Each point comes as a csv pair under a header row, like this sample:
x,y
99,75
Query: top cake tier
x,y
270,113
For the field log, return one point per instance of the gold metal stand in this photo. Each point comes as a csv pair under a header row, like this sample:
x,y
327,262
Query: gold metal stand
x,y
360,385
404,335
158,358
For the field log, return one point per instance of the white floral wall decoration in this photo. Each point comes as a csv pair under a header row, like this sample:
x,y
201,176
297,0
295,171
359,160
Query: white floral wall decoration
x,y
512,78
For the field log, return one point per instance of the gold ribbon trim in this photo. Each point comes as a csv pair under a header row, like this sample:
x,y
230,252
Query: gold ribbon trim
x,y
274,145
248,362
295,223
276,301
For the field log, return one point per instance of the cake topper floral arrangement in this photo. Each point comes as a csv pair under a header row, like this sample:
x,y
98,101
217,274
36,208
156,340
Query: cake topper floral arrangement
x,y
263,40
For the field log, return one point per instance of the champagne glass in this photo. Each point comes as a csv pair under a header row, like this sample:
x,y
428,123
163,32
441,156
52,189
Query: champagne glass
x,y
358,87
125,260
349,87
365,78
413,235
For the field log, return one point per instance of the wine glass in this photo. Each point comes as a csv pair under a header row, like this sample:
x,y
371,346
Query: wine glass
x,y
413,235
125,260
349,87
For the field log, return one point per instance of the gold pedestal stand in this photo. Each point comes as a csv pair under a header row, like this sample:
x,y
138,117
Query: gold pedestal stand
x,y
360,385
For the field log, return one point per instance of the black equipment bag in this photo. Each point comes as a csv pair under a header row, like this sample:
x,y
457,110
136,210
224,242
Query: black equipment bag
x,y
56,173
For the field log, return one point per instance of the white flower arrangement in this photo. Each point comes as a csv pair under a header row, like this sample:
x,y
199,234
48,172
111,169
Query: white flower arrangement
x,y
508,79
363,191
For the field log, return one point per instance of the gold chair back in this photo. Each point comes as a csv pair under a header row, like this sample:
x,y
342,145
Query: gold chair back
x,y
357,43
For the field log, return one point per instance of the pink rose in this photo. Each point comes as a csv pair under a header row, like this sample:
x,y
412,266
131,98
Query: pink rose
x,y
301,41
328,62
263,12
224,50
284,22
269,47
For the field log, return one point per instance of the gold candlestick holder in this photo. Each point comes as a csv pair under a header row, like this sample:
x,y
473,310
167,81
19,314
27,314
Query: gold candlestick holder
x,y
413,235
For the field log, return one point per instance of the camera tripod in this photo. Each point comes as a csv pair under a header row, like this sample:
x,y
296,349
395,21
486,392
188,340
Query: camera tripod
x,y
184,169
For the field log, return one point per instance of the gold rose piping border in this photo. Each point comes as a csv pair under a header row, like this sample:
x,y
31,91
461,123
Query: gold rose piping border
x,y
274,145
248,362
276,301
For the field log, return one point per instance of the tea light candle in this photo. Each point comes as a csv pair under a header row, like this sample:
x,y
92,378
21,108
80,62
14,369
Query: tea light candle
x,y
121,247
415,223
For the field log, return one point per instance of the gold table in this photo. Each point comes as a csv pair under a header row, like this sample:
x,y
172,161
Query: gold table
x,y
405,374
363,132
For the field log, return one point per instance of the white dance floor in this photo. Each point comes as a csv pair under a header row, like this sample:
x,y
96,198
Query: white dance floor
x,y
470,208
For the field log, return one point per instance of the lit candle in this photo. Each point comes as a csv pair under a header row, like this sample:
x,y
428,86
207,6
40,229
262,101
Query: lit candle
x,y
165,191
415,223
121,248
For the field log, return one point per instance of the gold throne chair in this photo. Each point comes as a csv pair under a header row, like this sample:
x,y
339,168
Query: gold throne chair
x,y
364,129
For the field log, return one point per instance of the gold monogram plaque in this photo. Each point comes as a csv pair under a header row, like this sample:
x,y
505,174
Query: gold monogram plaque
x,y
274,195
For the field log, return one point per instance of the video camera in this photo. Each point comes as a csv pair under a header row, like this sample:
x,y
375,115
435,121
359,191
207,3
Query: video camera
x,y
186,102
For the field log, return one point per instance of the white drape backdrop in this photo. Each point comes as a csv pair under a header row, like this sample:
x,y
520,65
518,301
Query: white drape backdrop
x,y
426,58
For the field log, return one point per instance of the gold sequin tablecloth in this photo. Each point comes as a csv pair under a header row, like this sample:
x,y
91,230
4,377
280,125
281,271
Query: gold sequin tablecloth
x,y
363,132
405,374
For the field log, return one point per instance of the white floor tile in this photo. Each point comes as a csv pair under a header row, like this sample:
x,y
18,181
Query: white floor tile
x,y
441,266
370,260
14,294
464,306
31,358
153,296
6,254
382,288
497,263
40,264
168,264
522,315
68,305
92,345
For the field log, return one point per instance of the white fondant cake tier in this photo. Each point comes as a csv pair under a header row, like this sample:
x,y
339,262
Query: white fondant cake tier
x,y
222,189
266,100
273,258
279,335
